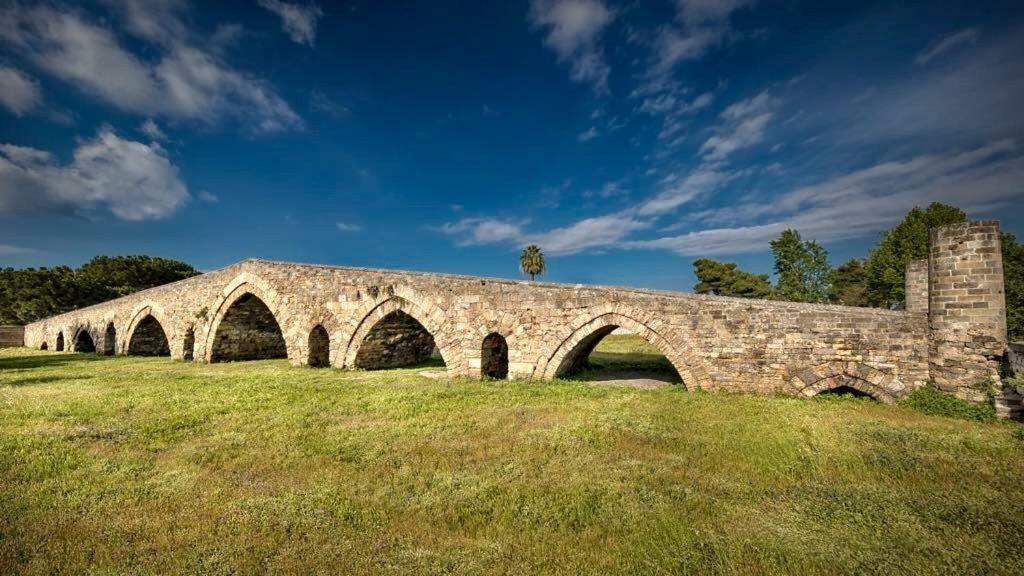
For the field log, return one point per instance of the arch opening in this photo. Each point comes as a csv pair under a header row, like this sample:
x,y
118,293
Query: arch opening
x,y
188,345
44,346
149,339
397,340
840,391
84,342
60,341
109,340
319,347
608,355
494,357
248,331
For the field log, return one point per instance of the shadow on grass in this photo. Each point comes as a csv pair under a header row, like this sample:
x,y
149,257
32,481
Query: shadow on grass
x,y
46,360
42,380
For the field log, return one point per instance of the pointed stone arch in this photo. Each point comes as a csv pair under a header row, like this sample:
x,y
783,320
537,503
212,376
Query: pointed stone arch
x,y
318,347
149,316
431,317
248,303
109,339
84,342
588,329
60,342
244,285
834,375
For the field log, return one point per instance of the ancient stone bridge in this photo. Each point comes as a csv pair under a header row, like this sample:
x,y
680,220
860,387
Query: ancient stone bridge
x,y
953,332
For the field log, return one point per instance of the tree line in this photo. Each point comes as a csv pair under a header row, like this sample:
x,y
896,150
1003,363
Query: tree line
x,y
803,273
30,294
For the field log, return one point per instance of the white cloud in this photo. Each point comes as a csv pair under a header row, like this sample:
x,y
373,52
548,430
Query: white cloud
x,y
19,92
208,197
474,231
574,29
956,40
10,250
298,21
151,129
703,24
861,202
320,102
587,135
135,181
589,233
347,227
185,81
680,190
745,124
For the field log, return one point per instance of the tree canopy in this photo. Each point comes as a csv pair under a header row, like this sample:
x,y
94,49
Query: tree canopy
x,y
1013,273
532,262
848,284
29,294
726,279
886,266
802,269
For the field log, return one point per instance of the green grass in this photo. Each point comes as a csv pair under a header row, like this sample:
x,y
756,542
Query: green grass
x,y
627,353
145,465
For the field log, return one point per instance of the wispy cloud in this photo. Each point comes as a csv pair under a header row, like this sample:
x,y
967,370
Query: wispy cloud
x,y
573,30
19,92
135,181
947,43
587,135
347,227
745,124
185,81
589,233
299,21
861,202
11,250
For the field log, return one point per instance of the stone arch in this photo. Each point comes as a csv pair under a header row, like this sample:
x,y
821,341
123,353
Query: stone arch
x,y
139,315
318,347
109,340
44,346
148,338
60,341
84,341
585,334
494,357
248,289
430,317
858,376
521,360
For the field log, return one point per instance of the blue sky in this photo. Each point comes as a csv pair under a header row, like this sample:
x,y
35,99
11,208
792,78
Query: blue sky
x,y
626,138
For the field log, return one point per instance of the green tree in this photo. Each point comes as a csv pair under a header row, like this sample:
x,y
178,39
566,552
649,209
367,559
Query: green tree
x,y
1013,273
726,279
532,262
908,241
849,284
124,275
802,268
29,294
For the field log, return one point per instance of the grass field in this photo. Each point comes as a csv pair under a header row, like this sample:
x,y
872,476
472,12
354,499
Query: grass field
x,y
145,465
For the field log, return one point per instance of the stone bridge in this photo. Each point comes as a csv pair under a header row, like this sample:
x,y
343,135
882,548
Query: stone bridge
x,y
953,331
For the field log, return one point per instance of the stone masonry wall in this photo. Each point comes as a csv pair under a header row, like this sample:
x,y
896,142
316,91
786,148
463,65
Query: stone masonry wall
x,y
917,286
967,307
715,343
12,336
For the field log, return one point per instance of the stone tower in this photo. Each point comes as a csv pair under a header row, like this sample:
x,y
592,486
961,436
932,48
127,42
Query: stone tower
x,y
966,307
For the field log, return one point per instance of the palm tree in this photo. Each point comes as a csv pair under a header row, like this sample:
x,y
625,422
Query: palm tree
x,y
532,261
